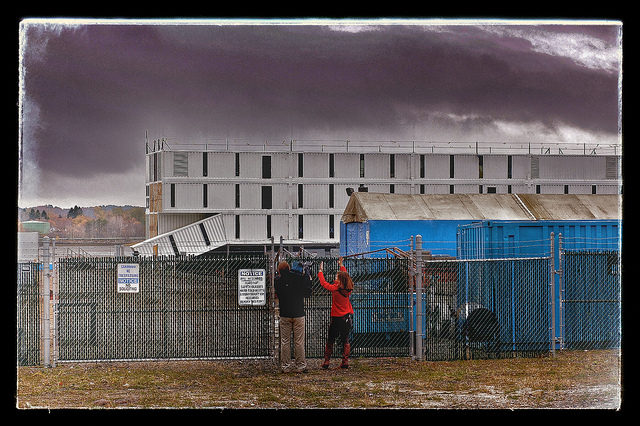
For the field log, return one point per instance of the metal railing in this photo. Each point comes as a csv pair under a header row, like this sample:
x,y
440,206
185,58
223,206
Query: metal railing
x,y
383,146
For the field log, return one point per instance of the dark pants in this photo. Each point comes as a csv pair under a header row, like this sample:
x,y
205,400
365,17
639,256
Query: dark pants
x,y
340,328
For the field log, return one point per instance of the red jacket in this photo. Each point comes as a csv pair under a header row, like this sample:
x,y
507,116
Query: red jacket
x,y
340,305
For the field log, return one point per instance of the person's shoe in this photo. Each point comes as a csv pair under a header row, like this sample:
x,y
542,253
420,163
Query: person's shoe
x,y
345,356
328,349
285,368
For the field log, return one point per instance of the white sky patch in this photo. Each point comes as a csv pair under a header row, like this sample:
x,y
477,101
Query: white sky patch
x,y
476,127
588,51
539,132
353,28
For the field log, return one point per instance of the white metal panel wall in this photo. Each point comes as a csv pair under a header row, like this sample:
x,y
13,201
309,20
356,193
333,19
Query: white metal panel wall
x,y
384,188
282,165
466,189
316,165
466,167
315,196
253,226
171,221
376,166
250,196
221,196
251,164
495,166
222,164
279,196
347,165
340,197
229,223
316,226
580,189
523,189
520,166
293,226
195,164
566,167
280,227
403,166
608,189
435,189
402,189
551,189
187,196
436,166
167,159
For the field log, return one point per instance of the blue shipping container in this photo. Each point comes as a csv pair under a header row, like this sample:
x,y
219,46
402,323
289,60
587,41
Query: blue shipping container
x,y
494,239
438,236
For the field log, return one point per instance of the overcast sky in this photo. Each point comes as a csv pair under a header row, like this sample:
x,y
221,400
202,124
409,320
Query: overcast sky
x,y
89,91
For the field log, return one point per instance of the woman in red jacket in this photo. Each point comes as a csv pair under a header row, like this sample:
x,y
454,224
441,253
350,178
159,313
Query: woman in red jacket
x,y
341,313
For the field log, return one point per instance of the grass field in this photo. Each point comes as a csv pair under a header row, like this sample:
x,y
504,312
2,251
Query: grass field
x,y
570,380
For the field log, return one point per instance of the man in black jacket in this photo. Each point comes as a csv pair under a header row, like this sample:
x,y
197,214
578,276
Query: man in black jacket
x,y
291,288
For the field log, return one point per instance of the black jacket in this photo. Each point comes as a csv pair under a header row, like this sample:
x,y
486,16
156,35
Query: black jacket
x,y
291,288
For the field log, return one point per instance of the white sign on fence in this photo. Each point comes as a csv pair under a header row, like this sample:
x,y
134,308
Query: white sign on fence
x,y
252,287
128,277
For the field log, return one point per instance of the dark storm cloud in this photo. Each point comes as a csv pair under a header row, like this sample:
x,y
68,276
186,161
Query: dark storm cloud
x,y
97,88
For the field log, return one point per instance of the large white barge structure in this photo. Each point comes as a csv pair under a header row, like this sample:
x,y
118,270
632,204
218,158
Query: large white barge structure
x,y
297,190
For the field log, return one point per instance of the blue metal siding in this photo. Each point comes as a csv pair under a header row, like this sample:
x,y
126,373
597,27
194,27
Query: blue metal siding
x,y
353,238
492,239
503,239
438,236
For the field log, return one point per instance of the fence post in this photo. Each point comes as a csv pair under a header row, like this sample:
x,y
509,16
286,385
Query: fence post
x,y
274,307
46,330
419,331
412,278
561,291
552,299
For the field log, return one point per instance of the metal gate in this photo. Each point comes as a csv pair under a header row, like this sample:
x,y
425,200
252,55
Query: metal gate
x,y
489,308
591,299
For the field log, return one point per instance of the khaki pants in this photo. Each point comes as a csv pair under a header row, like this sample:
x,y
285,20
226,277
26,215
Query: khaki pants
x,y
297,326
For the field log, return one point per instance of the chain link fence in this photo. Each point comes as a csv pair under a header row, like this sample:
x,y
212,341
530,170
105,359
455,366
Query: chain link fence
x,y
29,312
191,307
591,305
183,308
502,308
380,301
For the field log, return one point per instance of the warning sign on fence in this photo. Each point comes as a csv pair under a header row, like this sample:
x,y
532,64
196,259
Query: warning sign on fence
x,y
128,277
252,288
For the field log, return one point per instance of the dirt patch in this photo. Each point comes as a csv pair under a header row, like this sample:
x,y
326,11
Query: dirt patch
x,y
578,379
